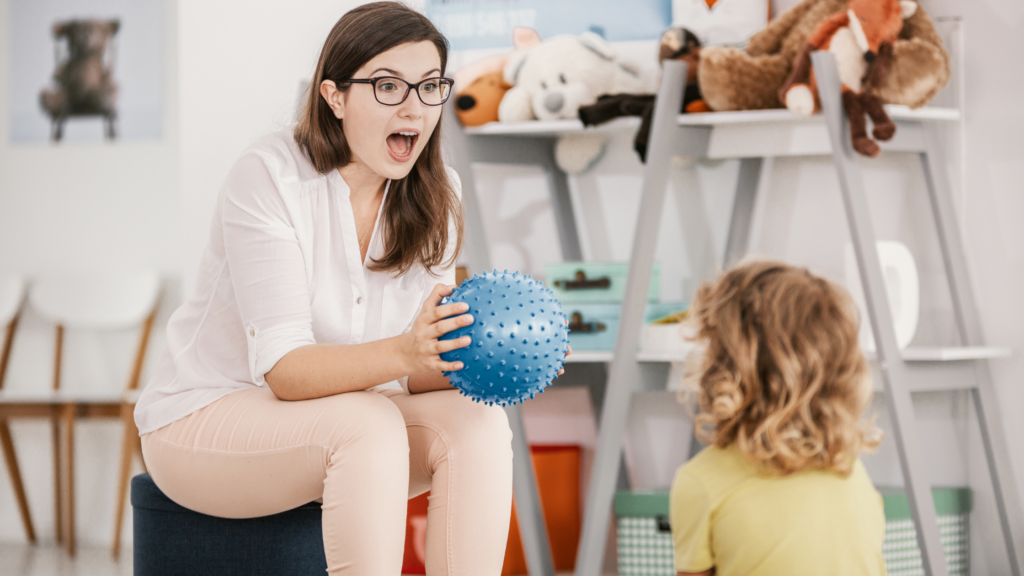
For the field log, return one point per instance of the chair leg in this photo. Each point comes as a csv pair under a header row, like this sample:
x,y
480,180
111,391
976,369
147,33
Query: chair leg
x,y
128,444
68,415
15,473
57,480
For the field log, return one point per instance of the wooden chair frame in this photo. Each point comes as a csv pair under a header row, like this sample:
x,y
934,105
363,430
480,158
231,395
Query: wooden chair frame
x,y
7,443
62,413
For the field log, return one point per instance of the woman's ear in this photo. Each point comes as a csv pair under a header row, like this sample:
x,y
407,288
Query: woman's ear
x,y
334,98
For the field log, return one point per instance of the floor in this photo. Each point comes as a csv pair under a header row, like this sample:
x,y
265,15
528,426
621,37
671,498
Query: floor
x,y
50,560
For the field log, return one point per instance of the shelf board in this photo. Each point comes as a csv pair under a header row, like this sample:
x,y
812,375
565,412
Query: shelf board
x,y
550,127
950,353
584,356
631,123
922,354
785,116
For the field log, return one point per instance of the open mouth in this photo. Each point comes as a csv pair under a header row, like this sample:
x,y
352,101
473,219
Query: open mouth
x,y
402,143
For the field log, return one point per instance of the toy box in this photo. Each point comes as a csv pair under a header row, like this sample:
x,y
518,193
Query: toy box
x,y
595,326
595,282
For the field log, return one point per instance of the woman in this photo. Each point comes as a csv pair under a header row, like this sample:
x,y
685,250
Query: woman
x,y
299,368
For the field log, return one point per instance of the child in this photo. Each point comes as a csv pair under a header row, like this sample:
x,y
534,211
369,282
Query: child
x,y
781,387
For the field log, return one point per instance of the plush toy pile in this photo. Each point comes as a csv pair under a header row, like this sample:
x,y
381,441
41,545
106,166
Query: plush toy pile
x,y
750,78
861,40
888,52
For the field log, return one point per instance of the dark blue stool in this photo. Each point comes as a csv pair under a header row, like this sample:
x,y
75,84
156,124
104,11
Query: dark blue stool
x,y
171,540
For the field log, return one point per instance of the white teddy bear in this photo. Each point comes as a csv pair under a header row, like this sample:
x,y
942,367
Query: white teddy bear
x,y
552,80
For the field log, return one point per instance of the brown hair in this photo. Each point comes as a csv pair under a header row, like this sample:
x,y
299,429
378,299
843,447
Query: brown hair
x,y
422,210
782,376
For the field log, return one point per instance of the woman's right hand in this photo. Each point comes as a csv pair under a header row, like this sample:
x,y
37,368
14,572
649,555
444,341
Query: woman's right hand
x,y
422,347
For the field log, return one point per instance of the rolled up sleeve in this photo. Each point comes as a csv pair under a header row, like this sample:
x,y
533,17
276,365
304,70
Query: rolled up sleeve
x,y
268,272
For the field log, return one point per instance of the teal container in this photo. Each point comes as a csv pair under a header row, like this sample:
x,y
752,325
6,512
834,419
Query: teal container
x,y
595,326
645,536
595,282
953,511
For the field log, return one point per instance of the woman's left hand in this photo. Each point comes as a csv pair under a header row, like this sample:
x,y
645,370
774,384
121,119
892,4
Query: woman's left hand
x,y
568,352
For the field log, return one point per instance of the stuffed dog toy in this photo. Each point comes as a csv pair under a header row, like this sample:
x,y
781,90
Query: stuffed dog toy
x,y
481,85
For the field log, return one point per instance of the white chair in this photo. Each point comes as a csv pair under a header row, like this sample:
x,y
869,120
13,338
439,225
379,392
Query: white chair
x,y
12,294
93,303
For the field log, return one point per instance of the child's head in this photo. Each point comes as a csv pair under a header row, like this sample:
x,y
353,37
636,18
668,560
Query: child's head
x,y
782,376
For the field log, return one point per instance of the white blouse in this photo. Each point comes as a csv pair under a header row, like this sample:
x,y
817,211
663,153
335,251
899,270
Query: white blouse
x,y
281,270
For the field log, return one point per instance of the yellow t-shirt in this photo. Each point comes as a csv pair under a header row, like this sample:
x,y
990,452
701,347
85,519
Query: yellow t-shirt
x,y
727,515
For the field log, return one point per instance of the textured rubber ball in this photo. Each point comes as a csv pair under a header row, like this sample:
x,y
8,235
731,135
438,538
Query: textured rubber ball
x,y
519,303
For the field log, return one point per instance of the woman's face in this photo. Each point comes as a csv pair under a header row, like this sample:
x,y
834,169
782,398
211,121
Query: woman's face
x,y
388,139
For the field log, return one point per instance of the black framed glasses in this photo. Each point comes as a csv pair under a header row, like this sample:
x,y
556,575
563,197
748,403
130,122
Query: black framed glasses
x,y
391,91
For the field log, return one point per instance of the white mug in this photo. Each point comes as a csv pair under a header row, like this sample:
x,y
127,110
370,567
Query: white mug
x,y
902,285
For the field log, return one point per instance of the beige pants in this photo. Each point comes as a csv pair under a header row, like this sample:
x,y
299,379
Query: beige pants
x,y
364,453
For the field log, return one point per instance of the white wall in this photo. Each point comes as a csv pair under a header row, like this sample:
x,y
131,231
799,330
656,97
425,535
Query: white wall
x,y
241,64
83,207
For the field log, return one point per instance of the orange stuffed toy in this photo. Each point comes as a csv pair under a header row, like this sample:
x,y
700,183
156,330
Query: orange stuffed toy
x,y
478,103
861,40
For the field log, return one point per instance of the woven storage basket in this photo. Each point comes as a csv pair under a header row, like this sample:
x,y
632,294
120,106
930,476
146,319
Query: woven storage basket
x,y
645,537
902,556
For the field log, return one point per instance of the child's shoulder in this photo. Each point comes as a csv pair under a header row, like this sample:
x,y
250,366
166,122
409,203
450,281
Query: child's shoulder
x,y
716,473
715,462
717,470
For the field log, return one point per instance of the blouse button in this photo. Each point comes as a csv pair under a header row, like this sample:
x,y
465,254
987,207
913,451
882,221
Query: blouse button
x,y
359,300
252,332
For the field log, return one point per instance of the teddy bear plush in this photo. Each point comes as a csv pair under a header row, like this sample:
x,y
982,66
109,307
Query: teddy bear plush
x,y
750,78
552,80
83,83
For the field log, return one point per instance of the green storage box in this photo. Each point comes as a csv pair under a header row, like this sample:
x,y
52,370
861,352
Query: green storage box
x,y
595,326
595,282
953,508
644,534
645,537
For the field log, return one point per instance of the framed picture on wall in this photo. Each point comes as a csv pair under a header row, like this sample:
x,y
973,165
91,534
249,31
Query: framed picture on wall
x,y
472,24
85,70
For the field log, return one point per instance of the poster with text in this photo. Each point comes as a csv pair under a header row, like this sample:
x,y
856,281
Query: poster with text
x,y
472,24
86,70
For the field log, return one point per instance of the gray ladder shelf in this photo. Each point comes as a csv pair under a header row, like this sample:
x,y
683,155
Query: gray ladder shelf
x,y
752,137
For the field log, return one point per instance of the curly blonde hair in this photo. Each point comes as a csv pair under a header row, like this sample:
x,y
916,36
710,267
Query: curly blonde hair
x,y
781,375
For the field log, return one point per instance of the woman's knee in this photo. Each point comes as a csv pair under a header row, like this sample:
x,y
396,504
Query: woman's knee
x,y
475,425
367,418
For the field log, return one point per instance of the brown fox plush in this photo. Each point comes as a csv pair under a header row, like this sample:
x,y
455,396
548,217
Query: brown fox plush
x,y
860,38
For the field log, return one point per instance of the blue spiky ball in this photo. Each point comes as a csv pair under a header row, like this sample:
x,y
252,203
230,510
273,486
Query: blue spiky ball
x,y
519,338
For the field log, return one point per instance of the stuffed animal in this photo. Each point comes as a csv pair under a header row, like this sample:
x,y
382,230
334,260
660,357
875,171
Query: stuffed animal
x,y
861,40
551,81
749,79
83,83
478,103
480,86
